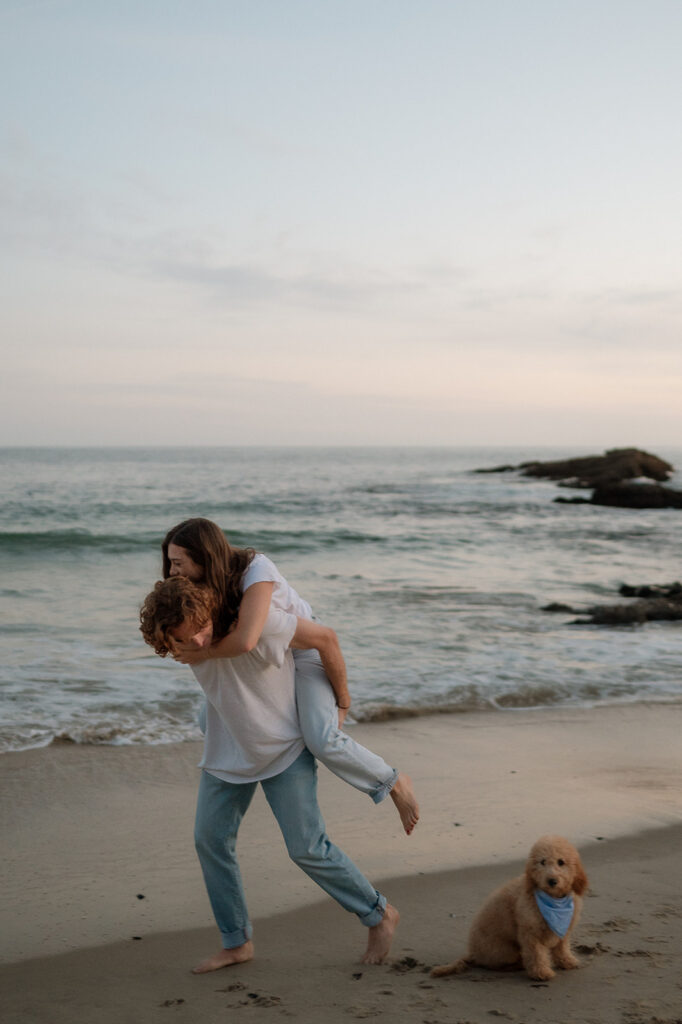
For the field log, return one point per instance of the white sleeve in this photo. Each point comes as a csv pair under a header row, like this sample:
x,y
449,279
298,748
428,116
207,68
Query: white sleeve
x,y
260,570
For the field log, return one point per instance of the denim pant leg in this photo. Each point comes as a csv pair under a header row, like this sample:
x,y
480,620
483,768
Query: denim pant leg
x,y
292,795
319,718
220,809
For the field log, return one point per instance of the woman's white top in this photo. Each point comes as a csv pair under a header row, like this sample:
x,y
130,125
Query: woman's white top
x,y
284,597
252,728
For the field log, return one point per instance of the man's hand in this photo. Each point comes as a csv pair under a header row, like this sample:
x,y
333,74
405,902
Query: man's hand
x,y
190,654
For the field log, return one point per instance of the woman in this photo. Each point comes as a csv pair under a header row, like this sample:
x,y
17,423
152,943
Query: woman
x,y
246,584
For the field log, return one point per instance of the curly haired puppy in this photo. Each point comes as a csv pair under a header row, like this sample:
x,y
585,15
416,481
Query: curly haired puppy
x,y
528,922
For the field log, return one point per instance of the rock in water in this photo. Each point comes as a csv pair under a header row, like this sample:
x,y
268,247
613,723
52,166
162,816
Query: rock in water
x,y
593,470
623,495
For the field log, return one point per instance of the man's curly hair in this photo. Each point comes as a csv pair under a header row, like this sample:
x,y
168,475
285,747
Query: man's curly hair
x,y
168,605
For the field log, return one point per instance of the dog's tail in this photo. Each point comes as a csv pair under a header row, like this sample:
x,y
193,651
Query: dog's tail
x,y
458,967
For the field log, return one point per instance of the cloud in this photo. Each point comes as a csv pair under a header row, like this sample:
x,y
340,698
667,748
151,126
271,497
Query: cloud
x,y
128,230
248,283
612,298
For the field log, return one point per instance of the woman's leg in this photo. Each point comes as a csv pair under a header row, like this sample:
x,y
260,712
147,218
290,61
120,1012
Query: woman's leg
x,y
220,809
319,718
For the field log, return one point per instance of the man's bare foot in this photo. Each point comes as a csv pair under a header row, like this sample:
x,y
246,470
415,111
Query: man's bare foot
x,y
405,799
381,936
225,958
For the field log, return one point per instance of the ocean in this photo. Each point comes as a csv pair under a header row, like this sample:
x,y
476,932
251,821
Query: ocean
x,y
433,576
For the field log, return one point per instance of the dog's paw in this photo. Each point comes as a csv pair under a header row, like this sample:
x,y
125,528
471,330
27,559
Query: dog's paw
x,y
567,963
540,973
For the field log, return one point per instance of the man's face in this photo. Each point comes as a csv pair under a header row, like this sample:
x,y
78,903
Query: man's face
x,y
191,632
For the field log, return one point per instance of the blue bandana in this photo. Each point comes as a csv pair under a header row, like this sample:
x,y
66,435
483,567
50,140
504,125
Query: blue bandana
x,y
557,912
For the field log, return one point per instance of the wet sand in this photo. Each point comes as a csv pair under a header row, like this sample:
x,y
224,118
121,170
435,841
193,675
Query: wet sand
x,y
104,910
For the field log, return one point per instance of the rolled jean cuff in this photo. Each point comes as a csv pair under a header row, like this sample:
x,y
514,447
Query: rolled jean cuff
x,y
231,940
385,788
375,915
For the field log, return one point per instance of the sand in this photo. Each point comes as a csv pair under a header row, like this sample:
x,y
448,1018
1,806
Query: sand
x,y
104,911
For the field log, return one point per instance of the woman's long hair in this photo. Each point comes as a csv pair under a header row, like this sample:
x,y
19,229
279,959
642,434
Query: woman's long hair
x,y
222,565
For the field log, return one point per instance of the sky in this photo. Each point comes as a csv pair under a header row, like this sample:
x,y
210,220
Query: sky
x,y
341,222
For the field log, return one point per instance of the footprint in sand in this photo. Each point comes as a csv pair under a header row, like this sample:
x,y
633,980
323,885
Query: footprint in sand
x,y
616,924
408,963
596,949
666,912
254,999
645,954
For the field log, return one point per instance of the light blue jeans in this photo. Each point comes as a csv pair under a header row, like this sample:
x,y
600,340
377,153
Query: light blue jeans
x,y
319,718
292,796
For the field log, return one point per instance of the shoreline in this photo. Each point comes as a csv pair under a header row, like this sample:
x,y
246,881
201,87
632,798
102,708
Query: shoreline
x,y
89,830
307,965
378,715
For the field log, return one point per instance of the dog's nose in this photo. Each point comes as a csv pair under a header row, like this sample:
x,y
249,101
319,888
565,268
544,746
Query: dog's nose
x,y
552,882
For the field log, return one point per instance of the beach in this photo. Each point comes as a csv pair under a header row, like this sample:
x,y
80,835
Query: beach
x,y
104,911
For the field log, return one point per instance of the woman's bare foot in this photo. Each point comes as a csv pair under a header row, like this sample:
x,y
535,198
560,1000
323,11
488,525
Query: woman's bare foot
x,y
381,936
405,799
225,958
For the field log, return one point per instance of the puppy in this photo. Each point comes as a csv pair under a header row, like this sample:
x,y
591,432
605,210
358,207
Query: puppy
x,y
528,922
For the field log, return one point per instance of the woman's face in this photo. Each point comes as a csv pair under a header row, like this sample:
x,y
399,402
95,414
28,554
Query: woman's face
x,y
182,565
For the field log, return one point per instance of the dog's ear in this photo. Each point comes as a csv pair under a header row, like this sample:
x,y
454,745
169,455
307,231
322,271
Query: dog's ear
x,y
531,885
580,882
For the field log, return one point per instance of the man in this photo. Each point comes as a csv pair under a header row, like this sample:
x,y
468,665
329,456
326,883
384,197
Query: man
x,y
253,736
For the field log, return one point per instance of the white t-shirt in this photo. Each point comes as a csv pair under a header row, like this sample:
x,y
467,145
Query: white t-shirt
x,y
252,728
284,597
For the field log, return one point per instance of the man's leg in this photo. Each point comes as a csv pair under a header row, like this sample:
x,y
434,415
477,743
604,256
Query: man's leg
x,y
220,809
292,795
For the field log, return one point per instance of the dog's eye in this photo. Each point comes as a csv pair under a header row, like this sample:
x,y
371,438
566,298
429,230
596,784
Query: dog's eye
x,y
560,863
543,862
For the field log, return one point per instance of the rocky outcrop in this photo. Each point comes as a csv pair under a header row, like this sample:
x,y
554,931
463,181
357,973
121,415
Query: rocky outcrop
x,y
615,465
624,495
629,495
600,470
654,602
673,591
612,477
